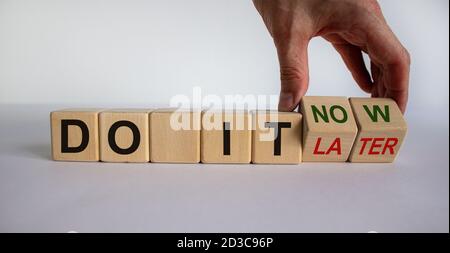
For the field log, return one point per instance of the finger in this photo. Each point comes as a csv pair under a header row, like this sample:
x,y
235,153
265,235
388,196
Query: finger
x,y
375,70
293,59
375,77
378,80
381,90
354,61
394,61
374,92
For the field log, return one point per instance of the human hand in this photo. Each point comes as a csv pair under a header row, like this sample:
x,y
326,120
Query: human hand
x,y
353,27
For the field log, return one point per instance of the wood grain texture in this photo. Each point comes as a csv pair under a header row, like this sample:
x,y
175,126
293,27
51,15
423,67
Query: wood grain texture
x,y
222,145
119,129
329,129
175,145
382,130
264,144
74,134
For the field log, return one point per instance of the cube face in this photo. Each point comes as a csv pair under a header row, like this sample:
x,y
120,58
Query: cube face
x,y
382,130
124,136
226,137
329,129
175,136
75,135
277,137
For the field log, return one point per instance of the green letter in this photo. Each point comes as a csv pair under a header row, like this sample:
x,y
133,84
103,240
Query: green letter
x,y
344,114
323,115
376,110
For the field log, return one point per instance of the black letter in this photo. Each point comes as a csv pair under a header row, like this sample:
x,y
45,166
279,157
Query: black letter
x,y
112,137
226,138
277,142
65,136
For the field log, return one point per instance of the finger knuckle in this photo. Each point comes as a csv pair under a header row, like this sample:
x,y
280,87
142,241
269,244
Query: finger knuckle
x,y
402,59
289,73
407,56
374,5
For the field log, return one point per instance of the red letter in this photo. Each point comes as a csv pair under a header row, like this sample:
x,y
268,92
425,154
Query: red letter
x,y
316,149
364,140
390,146
335,146
375,145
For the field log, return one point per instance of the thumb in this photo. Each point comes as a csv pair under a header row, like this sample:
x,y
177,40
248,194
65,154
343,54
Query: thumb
x,y
293,58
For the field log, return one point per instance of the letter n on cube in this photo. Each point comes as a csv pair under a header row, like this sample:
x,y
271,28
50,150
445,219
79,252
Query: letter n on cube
x,y
329,129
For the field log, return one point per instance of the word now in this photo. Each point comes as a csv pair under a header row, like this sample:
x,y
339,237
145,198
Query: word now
x,y
327,129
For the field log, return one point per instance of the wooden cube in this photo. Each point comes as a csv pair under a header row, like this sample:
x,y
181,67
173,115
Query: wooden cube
x,y
124,135
277,137
226,137
175,136
74,135
329,129
382,130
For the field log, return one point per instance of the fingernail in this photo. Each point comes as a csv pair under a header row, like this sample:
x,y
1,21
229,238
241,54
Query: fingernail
x,y
286,101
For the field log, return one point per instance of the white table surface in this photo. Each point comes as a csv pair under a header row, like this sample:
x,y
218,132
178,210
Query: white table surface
x,y
41,195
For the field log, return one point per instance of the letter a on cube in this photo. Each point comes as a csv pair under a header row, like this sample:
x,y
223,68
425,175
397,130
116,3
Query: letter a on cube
x,y
75,135
329,129
382,129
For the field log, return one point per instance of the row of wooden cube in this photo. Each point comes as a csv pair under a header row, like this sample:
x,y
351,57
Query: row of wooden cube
x,y
328,129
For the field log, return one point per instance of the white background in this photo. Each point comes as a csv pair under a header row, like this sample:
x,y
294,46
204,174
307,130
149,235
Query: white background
x,y
138,52
64,53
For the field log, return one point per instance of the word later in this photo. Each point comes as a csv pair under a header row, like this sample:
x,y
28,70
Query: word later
x,y
381,130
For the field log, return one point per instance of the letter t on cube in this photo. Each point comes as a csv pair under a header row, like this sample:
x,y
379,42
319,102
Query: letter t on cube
x,y
277,137
382,129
